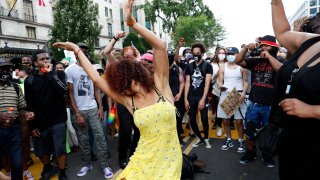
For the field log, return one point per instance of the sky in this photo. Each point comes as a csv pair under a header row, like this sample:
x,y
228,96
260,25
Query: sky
x,y
244,20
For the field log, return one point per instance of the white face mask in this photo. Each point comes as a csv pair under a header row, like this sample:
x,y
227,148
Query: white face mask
x,y
231,58
221,57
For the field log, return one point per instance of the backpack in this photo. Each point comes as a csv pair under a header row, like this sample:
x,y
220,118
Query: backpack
x,y
191,165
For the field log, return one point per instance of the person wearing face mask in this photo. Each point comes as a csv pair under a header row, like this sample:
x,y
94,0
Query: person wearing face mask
x,y
232,76
263,70
12,99
198,78
218,61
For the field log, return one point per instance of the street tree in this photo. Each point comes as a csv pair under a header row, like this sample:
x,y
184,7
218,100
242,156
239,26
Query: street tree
x,y
170,10
199,29
75,21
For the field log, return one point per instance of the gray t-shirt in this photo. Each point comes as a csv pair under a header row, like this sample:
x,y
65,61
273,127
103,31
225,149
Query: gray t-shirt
x,y
83,88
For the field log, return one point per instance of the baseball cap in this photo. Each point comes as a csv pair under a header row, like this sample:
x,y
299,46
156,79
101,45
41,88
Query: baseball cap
x,y
232,50
97,67
5,62
170,52
147,56
269,40
82,45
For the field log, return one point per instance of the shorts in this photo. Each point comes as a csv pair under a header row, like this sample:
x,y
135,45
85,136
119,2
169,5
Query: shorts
x,y
51,141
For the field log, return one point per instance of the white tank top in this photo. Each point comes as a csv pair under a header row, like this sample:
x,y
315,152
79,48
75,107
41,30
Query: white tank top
x,y
232,78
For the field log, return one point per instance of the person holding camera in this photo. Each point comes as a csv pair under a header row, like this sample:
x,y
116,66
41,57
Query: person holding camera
x,y
263,65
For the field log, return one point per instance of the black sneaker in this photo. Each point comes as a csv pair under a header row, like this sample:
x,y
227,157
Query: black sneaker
x,y
241,147
48,172
228,144
248,157
63,177
268,161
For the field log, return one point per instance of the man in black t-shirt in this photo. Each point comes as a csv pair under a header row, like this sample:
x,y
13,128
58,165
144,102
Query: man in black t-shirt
x,y
263,68
198,78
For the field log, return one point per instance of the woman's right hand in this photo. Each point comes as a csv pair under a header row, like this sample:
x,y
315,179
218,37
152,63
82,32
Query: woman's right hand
x,y
66,45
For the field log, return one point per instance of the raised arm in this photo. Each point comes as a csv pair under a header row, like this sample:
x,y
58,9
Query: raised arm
x,y
91,71
281,27
110,46
161,63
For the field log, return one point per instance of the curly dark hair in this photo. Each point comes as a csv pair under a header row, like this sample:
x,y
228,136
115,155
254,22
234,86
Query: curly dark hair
x,y
198,45
121,73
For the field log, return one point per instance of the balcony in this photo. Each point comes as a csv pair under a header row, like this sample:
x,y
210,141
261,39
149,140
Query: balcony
x,y
110,35
29,17
5,12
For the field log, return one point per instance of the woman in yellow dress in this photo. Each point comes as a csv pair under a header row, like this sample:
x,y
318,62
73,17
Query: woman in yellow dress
x,y
149,98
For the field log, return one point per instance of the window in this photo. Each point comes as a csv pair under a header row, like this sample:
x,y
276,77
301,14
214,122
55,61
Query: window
x,y
110,1
313,11
31,32
110,13
0,28
98,42
110,34
122,19
106,11
28,11
313,2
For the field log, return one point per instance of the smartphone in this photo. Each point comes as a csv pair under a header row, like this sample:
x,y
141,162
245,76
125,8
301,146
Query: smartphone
x,y
223,88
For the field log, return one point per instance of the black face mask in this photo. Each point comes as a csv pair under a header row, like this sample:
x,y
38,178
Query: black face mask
x,y
5,77
197,57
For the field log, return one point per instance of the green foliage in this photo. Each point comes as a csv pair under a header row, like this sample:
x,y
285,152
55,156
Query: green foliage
x,y
75,21
170,10
145,44
199,29
135,40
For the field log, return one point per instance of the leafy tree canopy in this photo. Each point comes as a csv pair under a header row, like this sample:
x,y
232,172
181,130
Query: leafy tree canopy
x,y
75,21
199,29
170,10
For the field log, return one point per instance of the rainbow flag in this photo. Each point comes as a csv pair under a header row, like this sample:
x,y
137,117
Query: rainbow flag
x,y
112,115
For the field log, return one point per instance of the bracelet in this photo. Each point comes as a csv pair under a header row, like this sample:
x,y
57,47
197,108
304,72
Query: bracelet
x,y
116,39
78,52
131,22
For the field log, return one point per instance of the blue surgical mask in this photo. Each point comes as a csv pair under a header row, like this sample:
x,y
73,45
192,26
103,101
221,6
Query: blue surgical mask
x,y
188,56
231,58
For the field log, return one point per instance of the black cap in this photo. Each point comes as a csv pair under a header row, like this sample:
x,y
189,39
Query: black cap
x,y
82,45
232,50
5,62
170,52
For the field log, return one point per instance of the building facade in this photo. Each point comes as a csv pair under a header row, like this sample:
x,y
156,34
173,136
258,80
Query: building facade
x,y
305,10
25,24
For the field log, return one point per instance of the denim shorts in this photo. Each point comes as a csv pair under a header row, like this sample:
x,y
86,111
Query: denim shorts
x,y
51,140
257,113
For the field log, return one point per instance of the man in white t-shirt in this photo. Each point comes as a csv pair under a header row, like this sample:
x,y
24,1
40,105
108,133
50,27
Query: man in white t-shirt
x,y
83,98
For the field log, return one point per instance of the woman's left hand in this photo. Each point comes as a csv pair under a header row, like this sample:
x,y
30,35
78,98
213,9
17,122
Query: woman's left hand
x,y
129,10
295,107
66,45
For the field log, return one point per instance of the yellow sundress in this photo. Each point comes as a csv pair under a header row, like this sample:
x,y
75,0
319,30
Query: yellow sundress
x,y
158,154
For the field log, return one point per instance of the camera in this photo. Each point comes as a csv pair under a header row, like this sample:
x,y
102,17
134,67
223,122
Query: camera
x,y
256,52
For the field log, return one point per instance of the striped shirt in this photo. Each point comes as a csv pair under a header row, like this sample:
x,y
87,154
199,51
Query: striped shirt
x,y
9,98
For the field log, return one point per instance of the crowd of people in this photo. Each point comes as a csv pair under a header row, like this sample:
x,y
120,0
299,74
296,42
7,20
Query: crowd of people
x,y
60,103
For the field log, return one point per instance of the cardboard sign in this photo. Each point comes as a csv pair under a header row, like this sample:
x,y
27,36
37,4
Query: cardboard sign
x,y
231,103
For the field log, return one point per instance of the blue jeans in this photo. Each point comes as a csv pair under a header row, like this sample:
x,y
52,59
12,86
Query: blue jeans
x,y
258,114
11,139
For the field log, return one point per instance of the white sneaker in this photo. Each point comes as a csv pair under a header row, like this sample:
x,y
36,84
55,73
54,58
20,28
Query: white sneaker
x,y
116,135
185,119
27,175
197,143
107,173
84,170
219,132
207,143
